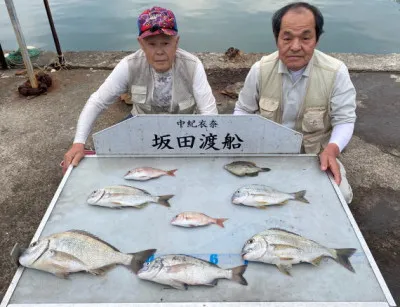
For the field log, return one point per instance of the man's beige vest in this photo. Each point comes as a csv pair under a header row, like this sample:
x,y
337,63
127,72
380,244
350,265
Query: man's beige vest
x,y
313,119
141,84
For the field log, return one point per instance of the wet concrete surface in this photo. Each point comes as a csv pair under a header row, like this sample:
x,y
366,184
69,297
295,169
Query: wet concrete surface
x,y
380,226
378,101
36,133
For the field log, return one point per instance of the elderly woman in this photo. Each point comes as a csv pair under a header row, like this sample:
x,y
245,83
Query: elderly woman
x,y
162,79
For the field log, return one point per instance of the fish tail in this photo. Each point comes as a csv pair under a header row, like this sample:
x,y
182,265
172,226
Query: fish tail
x,y
139,258
237,274
343,255
163,200
300,196
265,169
171,172
220,222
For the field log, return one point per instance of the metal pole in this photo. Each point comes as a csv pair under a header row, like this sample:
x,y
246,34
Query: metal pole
x,y
54,32
3,59
21,42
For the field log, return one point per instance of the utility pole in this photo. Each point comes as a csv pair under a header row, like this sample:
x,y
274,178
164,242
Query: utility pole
x,y
21,42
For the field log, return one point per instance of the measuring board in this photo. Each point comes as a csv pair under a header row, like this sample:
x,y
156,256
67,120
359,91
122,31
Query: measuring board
x,y
201,184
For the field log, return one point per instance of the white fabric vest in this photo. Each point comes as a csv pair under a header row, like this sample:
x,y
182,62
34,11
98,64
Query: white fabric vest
x,y
313,119
141,84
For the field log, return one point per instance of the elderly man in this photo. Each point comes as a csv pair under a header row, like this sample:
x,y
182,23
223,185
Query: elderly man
x,y
161,78
304,89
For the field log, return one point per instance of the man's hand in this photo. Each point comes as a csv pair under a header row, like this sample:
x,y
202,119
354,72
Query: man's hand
x,y
328,161
73,155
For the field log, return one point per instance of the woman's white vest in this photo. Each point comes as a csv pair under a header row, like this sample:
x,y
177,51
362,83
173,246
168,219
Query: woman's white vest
x,y
141,84
313,119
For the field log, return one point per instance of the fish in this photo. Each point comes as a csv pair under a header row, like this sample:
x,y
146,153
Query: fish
x,y
261,196
284,248
195,219
76,250
245,168
146,173
180,271
125,196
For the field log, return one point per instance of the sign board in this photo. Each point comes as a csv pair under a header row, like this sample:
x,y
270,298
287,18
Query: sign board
x,y
196,134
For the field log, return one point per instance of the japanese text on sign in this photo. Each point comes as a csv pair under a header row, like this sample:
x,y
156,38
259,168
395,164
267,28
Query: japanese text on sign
x,y
206,142
199,124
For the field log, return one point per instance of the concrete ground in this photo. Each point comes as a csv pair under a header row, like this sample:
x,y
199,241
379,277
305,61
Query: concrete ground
x,y
35,134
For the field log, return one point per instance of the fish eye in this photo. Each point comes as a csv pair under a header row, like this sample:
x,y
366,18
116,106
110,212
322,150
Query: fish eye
x,y
251,241
33,244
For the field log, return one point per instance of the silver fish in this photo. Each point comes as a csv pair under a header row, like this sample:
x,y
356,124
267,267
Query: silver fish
x,y
283,248
75,251
125,196
146,173
245,168
179,271
261,196
195,219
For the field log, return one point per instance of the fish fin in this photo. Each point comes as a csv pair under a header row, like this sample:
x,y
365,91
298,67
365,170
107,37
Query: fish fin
x,y
239,175
171,172
285,268
263,207
163,200
343,255
283,246
284,202
139,258
300,196
220,222
59,256
255,174
265,169
178,285
82,232
141,206
179,267
213,283
237,274
63,275
241,162
101,271
286,258
247,162
117,203
236,174
60,262
120,194
317,261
